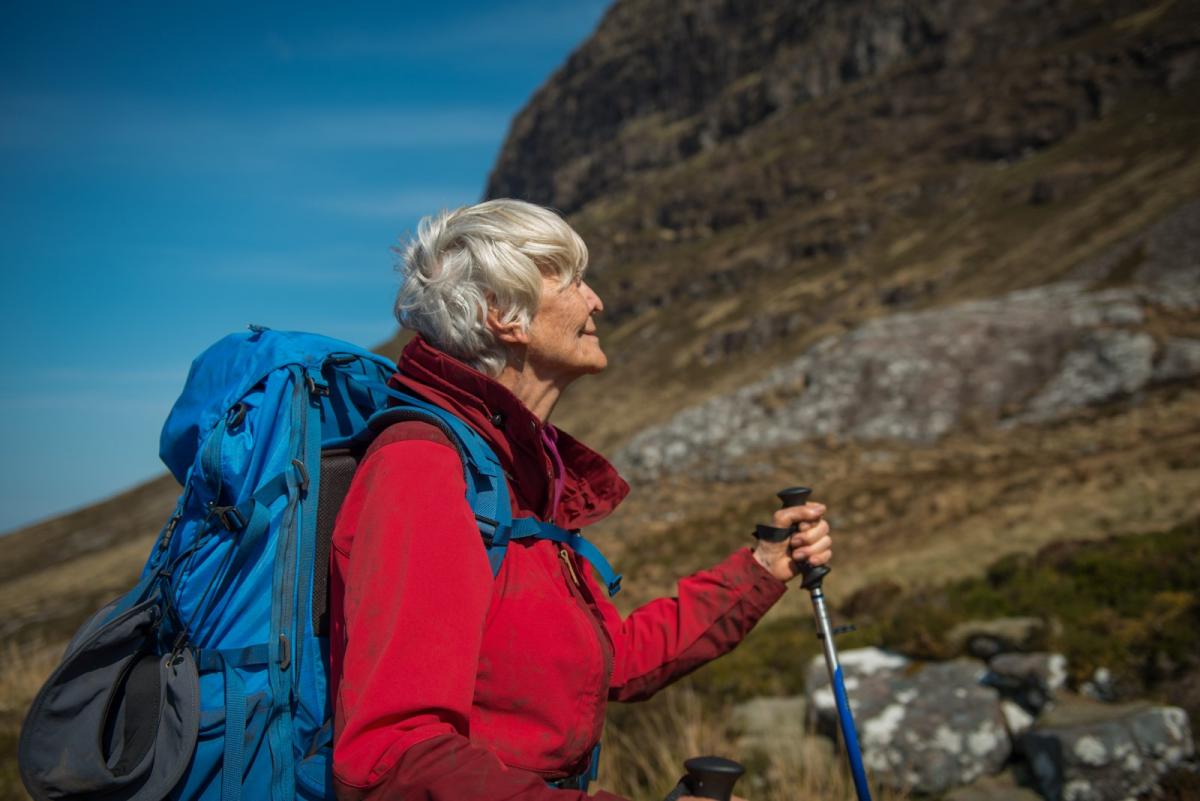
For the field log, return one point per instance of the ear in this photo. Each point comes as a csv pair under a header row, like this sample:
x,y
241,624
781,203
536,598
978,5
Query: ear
x,y
510,333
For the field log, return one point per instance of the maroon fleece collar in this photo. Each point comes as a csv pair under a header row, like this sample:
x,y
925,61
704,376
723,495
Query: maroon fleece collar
x,y
592,487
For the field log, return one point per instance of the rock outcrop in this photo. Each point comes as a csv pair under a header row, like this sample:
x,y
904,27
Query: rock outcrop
x,y
1030,356
1033,355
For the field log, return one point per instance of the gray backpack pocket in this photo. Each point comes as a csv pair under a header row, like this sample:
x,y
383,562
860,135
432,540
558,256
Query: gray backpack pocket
x,y
118,718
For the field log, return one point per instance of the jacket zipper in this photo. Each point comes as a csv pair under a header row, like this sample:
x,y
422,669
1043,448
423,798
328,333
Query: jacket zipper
x,y
602,638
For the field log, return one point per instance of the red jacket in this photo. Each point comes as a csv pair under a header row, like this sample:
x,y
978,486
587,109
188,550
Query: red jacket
x,y
451,685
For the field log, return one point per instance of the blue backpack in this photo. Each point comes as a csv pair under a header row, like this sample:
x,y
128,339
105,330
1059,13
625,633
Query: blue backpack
x,y
209,679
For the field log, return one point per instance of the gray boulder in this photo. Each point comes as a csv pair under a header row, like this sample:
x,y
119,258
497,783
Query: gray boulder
x,y
926,728
1102,752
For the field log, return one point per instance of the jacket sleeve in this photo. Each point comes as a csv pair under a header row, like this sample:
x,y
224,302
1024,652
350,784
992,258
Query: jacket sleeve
x,y
415,587
670,637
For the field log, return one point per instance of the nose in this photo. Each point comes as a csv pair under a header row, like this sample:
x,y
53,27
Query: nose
x,y
594,302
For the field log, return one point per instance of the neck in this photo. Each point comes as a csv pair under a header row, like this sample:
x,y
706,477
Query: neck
x,y
540,394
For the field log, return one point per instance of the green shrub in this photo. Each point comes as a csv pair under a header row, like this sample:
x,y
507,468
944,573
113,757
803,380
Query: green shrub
x,y
1130,603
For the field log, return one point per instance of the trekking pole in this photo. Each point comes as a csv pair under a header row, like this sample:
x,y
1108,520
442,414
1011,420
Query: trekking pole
x,y
813,575
708,777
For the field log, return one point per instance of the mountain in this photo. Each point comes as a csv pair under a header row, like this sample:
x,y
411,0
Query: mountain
x,y
939,260
752,177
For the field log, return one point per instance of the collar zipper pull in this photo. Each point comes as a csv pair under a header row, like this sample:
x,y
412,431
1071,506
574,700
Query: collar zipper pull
x,y
566,560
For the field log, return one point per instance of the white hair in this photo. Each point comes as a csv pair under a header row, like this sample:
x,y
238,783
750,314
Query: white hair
x,y
494,254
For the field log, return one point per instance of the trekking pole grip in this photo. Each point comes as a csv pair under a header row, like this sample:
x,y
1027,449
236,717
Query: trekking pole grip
x,y
812,574
712,777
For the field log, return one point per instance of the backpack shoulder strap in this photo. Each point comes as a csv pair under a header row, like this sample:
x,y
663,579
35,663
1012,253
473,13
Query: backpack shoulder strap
x,y
487,490
487,494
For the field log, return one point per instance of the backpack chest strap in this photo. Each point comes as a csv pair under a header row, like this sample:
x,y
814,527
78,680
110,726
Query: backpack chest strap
x,y
532,528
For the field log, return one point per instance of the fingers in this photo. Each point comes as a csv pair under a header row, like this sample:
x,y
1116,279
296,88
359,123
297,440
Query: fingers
x,y
812,544
816,554
809,535
792,515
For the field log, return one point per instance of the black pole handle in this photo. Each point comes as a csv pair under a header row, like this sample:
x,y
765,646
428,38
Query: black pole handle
x,y
813,575
711,777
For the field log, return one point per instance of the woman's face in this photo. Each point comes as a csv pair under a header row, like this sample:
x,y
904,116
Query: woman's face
x,y
563,342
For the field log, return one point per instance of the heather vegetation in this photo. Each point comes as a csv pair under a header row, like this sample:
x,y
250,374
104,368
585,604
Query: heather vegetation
x,y
1130,604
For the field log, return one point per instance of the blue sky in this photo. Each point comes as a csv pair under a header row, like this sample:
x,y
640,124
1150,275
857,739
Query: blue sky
x,y
170,172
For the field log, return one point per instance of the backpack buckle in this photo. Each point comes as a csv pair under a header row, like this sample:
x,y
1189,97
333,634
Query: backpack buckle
x,y
315,387
230,517
301,475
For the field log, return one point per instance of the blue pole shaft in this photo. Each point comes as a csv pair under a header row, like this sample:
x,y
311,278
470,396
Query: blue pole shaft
x,y
845,718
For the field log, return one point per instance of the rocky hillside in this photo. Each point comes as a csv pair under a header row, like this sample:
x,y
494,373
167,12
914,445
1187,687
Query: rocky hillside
x,y
754,177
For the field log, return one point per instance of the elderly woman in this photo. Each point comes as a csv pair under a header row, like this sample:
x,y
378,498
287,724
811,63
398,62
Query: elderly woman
x,y
451,684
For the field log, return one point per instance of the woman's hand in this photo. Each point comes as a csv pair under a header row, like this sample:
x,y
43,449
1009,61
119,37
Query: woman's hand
x,y
811,542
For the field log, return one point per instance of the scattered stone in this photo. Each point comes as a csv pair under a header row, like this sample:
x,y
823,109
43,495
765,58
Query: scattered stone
x,y
926,728
1180,359
1030,680
1084,751
1101,687
984,639
1016,719
1001,787
764,722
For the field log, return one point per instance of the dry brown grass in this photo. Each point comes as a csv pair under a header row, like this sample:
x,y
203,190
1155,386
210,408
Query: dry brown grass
x,y
645,746
23,669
